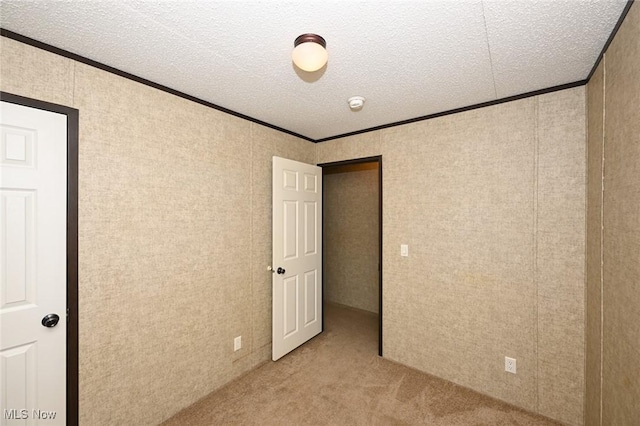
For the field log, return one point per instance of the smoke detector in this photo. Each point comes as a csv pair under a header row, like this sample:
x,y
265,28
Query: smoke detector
x,y
356,103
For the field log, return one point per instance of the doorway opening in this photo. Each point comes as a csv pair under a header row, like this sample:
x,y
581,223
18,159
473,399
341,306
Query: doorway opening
x,y
352,236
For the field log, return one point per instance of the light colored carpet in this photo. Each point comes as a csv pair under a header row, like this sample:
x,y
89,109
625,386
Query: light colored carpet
x,y
338,379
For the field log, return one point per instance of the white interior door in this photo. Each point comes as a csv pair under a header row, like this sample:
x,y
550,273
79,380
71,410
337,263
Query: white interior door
x,y
297,254
33,206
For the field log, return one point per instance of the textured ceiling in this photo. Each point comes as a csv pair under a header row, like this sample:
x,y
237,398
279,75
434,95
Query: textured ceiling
x,y
407,58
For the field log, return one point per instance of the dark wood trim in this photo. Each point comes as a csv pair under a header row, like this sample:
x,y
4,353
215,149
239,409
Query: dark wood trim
x,y
107,68
459,110
322,248
380,255
82,59
72,243
374,159
72,268
502,100
625,11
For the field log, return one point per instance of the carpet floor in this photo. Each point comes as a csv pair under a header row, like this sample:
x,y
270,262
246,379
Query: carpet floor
x,y
338,379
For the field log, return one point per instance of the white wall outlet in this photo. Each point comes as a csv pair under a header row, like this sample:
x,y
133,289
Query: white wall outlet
x,y
510,365
237,343
404,250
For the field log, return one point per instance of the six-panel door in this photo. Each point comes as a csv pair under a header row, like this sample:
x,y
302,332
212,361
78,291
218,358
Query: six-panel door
x,y
297,250
33,203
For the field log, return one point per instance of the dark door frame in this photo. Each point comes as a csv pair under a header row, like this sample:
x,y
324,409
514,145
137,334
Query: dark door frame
x,y
374,159
72,242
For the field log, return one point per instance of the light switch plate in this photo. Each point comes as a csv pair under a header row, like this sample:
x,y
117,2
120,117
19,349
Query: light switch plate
x,y
404,250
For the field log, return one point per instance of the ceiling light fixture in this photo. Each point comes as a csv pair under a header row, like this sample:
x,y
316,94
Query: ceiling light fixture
x,y
309,52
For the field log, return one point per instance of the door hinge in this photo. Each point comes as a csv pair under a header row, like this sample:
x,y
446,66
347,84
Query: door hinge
x,y
67,314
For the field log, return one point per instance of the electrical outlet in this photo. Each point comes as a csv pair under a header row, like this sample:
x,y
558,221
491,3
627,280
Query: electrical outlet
x,y
404,250
237,343
510,365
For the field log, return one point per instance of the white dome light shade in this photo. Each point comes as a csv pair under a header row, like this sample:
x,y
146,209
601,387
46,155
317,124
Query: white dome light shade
x,y
309,53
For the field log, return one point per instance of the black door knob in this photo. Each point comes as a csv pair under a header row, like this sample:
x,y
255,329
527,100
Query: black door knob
x,y
50,320
280,270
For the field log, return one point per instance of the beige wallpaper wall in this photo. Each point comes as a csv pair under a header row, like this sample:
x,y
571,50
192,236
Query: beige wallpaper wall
x,y
351,237
614,123
492,205
174,223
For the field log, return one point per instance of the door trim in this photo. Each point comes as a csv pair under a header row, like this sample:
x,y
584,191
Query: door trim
x,y
374,159
72,242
